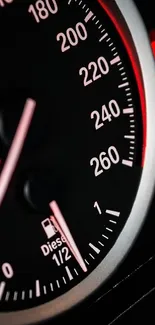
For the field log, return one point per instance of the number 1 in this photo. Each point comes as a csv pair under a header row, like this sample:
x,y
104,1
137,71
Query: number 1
x,y
96,205
32,9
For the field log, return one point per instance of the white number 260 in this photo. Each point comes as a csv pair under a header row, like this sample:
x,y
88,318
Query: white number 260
x,y
105,160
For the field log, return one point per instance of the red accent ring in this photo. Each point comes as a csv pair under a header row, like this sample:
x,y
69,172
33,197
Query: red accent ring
x,y
152,37
136,72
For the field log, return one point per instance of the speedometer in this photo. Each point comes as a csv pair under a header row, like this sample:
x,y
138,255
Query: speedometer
x,y
76,155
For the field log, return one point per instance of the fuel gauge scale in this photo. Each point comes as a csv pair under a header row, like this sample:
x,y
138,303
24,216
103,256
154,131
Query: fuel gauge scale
x,y
76,149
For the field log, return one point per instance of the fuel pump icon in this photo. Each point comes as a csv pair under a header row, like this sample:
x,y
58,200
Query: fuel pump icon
x,y
48,228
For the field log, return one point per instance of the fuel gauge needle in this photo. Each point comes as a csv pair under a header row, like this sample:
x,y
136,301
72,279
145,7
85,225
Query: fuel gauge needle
x,y
16,147
60,223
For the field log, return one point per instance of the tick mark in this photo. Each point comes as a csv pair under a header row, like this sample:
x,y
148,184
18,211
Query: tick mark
x,y
123,85
128,111
69,273
2,288
96,250
127,163
88,17
103,37
37,288
115,60
113,213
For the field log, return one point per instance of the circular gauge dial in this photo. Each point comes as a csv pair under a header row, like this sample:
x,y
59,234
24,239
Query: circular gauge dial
x,y
72,138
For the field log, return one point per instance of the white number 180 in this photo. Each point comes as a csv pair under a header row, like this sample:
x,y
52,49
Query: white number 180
x,y
42,9
3,2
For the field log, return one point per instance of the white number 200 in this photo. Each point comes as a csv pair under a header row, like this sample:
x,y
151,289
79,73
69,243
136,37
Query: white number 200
x,y
72,36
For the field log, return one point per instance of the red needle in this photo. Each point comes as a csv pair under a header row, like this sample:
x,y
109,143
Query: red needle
x,y
60,223
16,147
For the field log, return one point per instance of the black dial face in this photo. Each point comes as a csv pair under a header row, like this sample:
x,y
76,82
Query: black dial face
x,y
71,135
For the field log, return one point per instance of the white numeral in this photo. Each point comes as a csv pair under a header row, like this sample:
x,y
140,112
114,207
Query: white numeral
x,y
105,160
72,36
62,256
3,2
42,9
7,270
96,71
113,111
96,205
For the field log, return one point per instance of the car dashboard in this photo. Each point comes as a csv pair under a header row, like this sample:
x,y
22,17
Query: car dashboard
x,y
77,161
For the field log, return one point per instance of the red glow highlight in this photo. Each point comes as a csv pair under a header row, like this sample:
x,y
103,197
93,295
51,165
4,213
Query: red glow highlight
x,y
135,69
152,37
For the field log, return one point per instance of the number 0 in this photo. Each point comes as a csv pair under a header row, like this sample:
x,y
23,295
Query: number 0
x,y
49,6
7,270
